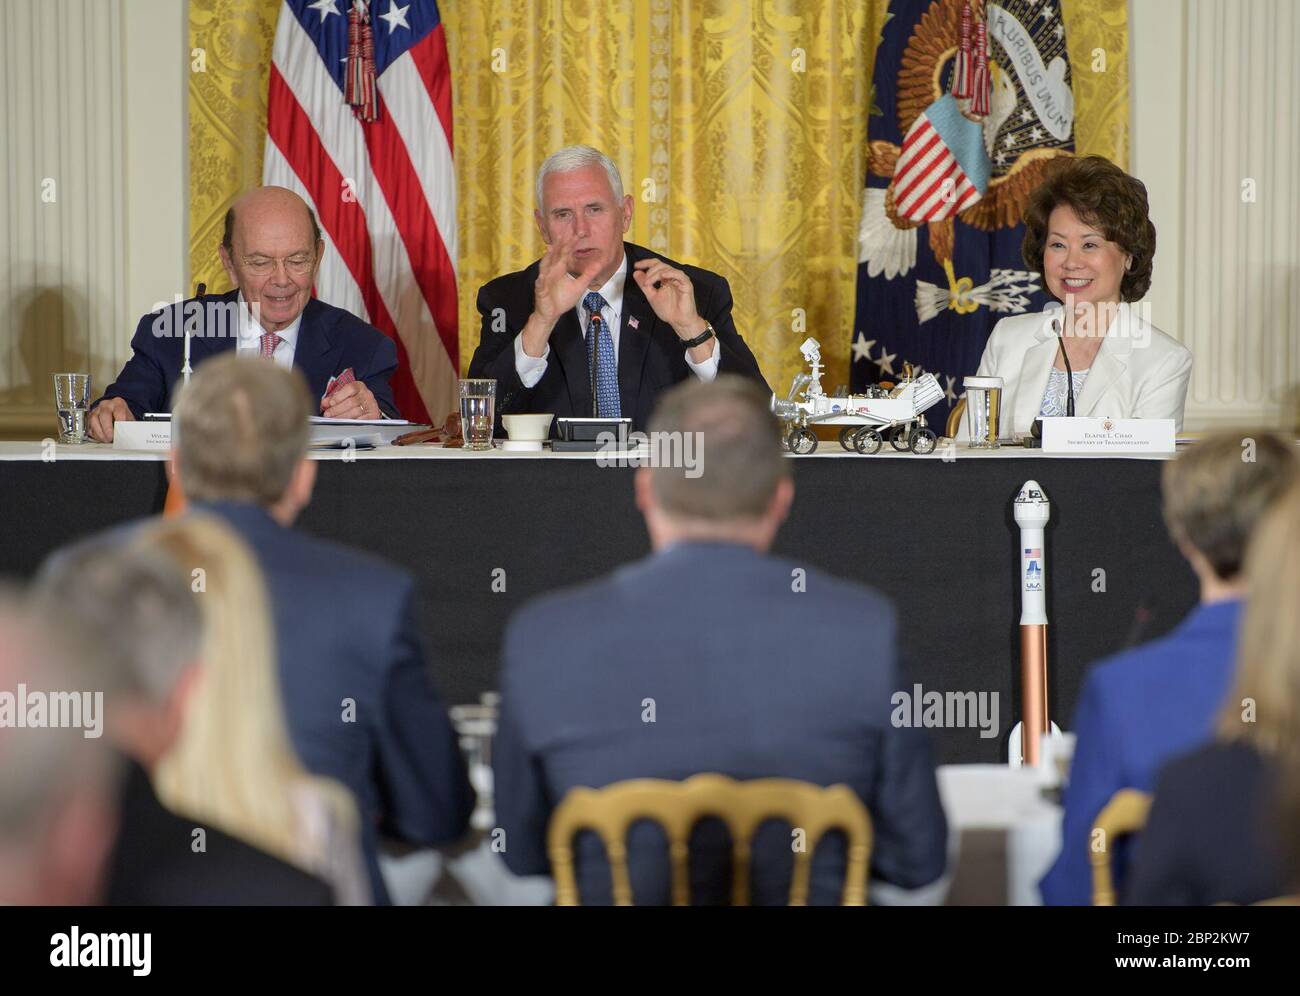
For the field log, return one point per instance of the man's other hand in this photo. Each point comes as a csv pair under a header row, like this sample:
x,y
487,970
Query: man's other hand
x,y
108,411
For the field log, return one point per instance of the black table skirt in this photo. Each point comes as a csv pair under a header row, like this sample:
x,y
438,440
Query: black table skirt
x,y
936,537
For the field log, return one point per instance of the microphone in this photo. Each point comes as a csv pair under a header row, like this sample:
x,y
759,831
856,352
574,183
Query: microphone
x,y
593,329
1069,371
186,369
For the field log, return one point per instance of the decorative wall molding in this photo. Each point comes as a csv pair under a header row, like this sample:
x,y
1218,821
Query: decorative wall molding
x,y
1240,266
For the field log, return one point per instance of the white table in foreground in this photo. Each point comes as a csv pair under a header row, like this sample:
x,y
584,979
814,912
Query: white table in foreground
x,y
48,451
1007,801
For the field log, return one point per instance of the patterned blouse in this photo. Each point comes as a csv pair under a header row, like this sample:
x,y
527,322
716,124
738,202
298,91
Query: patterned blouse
x,y
1054,398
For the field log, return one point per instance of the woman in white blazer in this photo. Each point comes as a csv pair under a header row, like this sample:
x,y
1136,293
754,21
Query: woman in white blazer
x,y
1088,234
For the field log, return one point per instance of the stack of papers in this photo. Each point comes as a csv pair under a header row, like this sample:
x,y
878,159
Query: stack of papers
x,y
359,433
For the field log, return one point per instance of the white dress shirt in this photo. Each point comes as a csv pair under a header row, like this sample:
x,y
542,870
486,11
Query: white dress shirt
x,y
251,332
531,368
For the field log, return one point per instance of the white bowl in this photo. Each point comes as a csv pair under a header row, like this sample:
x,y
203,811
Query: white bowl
x,y
527,428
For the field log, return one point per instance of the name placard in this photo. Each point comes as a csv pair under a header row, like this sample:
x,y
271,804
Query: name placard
x,y
1119,436
146,435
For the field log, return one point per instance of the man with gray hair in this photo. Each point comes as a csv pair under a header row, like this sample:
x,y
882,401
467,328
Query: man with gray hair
x,y
133,610
57,816
713,656
599,326
359,696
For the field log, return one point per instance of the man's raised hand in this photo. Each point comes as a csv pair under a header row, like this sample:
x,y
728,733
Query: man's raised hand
x,y
555,292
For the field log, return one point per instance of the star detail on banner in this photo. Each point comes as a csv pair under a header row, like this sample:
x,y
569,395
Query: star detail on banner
x,y
948,391
396,16
862,348
886,362
325,7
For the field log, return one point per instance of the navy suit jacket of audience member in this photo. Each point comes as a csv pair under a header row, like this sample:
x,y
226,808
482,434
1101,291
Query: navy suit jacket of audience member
x,y
747,677
330,340
651,358
346,630
1138,709
1213,833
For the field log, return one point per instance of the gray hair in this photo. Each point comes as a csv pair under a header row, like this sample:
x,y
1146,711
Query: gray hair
x,y
573,157
739,443
240,429
41,770
131,607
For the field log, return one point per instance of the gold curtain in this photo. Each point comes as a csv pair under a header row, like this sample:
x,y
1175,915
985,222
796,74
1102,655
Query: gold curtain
x,y
231,41
739,127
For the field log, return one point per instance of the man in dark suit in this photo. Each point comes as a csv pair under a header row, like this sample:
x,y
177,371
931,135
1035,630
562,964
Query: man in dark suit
x,y
271,250
656,322
358,694
137,620
711,655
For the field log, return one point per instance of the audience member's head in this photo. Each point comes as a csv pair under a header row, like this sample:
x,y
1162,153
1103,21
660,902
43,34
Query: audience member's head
x,y
240,434
717,471
57,787
133,605
1264,707
233,764
1215,493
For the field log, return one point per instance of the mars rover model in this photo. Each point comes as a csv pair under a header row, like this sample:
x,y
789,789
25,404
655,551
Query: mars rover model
x,y
868,419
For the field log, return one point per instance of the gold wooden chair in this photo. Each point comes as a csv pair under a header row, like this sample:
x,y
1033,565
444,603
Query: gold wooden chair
x,y
1124,815
954,419
678,806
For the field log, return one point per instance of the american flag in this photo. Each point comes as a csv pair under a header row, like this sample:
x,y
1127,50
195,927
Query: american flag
x,y
930,181
383,189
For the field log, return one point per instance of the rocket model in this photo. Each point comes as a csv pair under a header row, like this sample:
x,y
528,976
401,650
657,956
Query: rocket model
x,y
1032,510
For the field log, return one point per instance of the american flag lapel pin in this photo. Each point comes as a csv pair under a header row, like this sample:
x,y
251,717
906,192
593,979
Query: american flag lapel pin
x,y
632,322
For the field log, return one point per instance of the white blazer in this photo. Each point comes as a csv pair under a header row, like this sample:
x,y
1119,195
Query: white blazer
x,y
1139,372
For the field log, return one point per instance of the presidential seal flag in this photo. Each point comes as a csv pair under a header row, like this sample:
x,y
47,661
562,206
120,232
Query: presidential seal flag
x,y
359,124
972,103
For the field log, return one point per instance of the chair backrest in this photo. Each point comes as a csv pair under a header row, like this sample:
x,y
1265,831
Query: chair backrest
x,y
954,419
742,805
1124,815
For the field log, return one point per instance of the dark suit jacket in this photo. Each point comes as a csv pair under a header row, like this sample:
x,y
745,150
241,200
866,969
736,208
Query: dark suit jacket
x,y
748,678
329,341
1137,710
1213,834
346,630
650,357
154,864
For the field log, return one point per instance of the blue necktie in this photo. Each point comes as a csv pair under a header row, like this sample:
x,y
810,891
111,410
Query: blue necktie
x,y
607,403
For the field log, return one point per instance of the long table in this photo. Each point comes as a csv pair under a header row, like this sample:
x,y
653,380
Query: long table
x,y
935,535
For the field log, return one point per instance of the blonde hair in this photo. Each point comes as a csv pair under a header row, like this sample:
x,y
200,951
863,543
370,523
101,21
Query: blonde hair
x,y
1268,665
1268,648
233,765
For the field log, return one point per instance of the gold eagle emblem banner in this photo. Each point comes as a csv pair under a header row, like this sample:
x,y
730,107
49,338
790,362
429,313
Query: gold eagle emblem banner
x,y
739,127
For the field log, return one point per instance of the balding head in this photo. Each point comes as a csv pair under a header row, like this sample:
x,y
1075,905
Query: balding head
x,y
274,205
271,250
738,487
